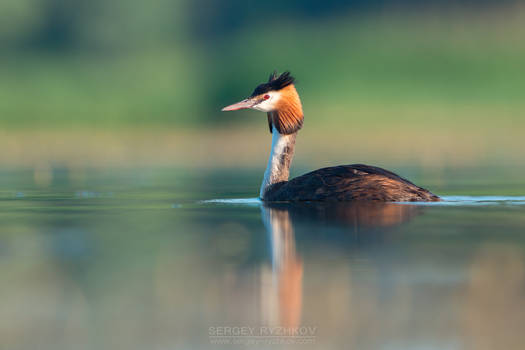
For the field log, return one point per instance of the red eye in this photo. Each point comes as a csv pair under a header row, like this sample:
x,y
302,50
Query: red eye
x,y
266,97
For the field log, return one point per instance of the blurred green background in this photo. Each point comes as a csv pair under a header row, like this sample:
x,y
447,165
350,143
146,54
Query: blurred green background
x,y
434,84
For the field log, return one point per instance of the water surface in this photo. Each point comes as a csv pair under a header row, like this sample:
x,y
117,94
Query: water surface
x,y
141,259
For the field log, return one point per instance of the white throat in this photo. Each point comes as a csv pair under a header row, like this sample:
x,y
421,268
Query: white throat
x,y
278,168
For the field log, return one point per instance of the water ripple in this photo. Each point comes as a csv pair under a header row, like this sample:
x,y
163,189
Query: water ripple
x,y
446,201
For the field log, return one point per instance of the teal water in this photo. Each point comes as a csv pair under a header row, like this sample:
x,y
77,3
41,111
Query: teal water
x,y
140,259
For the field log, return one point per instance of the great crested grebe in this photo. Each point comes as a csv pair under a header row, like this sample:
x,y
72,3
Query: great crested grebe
x,y
280,100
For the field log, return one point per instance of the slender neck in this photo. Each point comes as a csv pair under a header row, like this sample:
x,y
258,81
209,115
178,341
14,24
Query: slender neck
x,y
278,168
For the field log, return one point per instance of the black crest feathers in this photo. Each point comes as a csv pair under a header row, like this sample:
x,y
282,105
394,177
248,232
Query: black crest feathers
x,y
274,83
273,76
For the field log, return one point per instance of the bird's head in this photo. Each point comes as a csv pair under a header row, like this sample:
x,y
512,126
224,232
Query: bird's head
x,y
279,99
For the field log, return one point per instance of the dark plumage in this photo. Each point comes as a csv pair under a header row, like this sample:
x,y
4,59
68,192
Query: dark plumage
x,y
349,183
274,83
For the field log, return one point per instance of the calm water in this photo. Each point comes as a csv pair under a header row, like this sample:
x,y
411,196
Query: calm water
x,y
166,260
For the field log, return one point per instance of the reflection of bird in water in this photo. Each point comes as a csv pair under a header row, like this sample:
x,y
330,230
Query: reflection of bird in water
x,y
282,293
285,281
353,182
351,214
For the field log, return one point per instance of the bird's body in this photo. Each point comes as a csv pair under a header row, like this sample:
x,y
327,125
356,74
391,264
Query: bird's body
x,y
349,183
356,182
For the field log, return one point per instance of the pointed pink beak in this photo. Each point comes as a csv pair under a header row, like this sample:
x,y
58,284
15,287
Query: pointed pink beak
x,y
244,104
